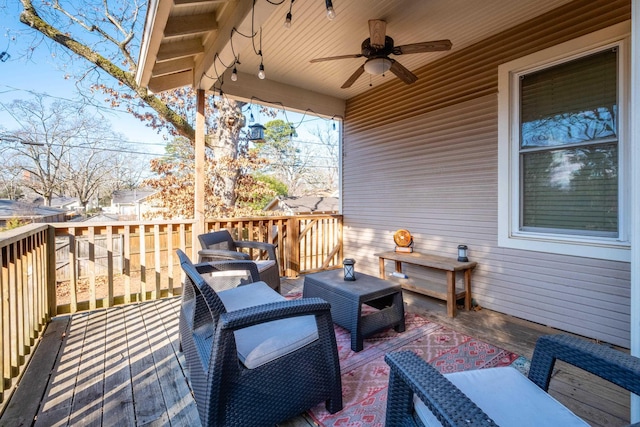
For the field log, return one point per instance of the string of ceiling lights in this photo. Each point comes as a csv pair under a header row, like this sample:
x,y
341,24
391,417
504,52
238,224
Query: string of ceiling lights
x,y
258,129
331,15
284,112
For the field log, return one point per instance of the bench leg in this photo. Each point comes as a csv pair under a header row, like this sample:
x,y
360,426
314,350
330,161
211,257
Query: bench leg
x,y
467,289
451,293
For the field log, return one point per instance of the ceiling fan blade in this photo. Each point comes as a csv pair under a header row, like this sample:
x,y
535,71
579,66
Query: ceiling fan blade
x,y
377,33
403,74
351,80
331,58
432,46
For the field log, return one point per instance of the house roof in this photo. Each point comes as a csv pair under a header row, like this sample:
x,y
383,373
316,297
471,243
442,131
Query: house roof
x,y
123,197
15,208
102,217
195,43
63,201
305,204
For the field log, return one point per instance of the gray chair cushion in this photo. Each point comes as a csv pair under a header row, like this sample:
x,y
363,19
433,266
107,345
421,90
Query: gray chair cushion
x,y
508,397
265,342
265,264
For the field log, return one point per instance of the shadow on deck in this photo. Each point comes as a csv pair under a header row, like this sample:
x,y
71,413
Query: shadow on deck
x,y
121,366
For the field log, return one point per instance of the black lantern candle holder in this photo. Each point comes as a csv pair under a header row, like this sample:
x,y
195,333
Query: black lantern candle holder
x,y
462,253
349,269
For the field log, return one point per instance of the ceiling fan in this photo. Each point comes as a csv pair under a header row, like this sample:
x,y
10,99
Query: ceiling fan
x,y
377,49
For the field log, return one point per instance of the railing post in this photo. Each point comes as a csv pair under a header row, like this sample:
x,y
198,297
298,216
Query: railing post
x,y
50,252
293,247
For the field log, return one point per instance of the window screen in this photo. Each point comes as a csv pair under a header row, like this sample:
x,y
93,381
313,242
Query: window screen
x,y
569,147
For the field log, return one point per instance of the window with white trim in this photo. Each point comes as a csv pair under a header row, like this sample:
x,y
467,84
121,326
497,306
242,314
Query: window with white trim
x,y
562,164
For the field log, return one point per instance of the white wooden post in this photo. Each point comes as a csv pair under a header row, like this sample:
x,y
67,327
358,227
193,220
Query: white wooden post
x,y
635,194
198,205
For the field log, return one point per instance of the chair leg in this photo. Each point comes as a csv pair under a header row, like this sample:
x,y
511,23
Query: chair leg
x,y
272,277
334,405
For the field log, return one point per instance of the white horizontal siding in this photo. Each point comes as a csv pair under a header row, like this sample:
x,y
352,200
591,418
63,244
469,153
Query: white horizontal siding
x,y
436,175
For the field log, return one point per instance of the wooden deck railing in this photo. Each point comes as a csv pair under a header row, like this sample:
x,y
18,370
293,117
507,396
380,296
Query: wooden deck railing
x,y
305,243
51,269
25,297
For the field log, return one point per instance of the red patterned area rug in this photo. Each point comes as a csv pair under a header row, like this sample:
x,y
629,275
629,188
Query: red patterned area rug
x,y
365,375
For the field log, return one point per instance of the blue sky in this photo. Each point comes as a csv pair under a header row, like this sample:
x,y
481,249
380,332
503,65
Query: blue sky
x,y
20,78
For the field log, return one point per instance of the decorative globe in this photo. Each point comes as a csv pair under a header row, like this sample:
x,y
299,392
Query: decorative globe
x,y
403,238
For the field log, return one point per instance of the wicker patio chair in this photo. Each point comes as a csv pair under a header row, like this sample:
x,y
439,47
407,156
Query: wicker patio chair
x,y
219,274
420,395
258,364
219,245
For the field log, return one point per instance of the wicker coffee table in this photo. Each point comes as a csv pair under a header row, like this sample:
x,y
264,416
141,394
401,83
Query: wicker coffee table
x,y
346,299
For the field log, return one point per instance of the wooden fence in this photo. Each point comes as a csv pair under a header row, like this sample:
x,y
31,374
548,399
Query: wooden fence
x,y
118,263
51,269
83,265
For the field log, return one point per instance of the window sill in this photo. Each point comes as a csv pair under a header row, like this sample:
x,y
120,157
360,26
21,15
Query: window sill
x,y
599,249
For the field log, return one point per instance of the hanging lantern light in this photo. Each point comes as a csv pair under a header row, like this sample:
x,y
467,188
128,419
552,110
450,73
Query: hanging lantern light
x,y
256,132
349,269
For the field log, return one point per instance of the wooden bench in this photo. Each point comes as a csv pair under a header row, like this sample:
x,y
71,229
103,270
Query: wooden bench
x,y
449,265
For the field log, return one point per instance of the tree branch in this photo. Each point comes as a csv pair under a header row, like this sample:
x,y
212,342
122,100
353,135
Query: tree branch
x,y
30,17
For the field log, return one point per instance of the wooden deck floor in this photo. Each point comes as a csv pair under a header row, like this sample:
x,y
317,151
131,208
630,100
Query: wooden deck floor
x,y
122,367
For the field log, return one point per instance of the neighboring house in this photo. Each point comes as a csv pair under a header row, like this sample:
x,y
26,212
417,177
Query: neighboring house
x,y
102,217
304,205
64,202
517,143
130,204
28,212
73,203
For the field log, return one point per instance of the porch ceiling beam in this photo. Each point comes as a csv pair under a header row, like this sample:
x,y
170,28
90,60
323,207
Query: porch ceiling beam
x,y
248,87
190,24
177,50
173,66
170,81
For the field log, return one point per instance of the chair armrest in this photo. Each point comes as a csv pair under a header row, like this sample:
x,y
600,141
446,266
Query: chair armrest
x,y
410,375
612,365
220,254
227,265
250,316
263,246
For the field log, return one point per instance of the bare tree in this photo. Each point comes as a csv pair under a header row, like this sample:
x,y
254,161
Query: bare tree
x,y
104,33
327,158
61,149
10,176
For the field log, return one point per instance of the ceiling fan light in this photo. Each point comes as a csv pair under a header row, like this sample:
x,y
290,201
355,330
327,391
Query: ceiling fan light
x,y
377,66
